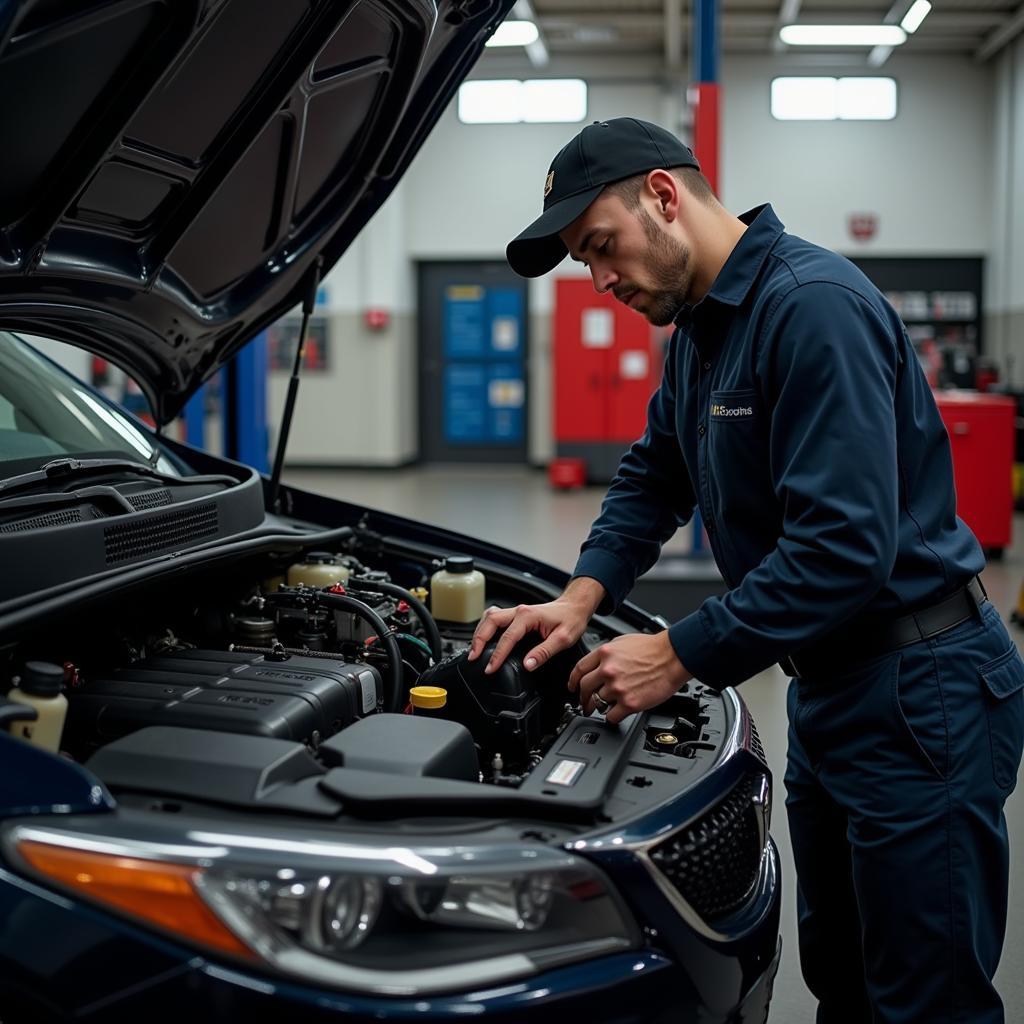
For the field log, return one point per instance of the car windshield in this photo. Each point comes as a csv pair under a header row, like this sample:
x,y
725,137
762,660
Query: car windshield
x,y
45,413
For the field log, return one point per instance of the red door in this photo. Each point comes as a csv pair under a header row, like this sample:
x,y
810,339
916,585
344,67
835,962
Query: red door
x,y
630,374
604,368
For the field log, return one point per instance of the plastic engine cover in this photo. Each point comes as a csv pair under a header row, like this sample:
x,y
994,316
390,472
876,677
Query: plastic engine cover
x,y
297,698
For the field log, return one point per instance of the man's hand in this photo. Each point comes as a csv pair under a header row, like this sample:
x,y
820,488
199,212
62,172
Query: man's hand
x,y
632,673
561,622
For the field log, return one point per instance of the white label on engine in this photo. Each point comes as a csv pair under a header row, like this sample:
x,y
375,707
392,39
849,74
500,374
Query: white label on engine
x,y
369,686
566,772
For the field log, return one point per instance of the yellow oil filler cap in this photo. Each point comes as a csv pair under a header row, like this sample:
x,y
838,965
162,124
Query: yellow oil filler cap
x,y
428,697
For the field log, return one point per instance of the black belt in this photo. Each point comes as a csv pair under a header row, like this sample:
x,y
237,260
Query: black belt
x,y
836,652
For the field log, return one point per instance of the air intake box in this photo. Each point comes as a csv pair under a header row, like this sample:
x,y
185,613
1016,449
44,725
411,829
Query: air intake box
x,y
511,710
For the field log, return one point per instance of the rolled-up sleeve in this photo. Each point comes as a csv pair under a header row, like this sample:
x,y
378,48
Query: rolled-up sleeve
x,y
649,499
828,367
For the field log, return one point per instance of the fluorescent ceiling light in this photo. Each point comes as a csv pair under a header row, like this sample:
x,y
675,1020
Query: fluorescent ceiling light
x,y
842,35
913,18
514,33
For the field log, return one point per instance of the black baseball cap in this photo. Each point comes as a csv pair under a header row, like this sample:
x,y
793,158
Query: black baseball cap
x,y
603,152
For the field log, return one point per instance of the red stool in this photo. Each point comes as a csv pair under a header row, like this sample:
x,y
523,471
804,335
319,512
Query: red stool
x,y
567,473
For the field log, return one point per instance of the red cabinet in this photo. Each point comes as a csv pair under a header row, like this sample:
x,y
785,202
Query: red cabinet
x,y
605,371
981,433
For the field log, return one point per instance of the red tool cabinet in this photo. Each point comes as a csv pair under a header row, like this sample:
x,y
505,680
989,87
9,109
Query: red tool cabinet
x,y
981,433
607,363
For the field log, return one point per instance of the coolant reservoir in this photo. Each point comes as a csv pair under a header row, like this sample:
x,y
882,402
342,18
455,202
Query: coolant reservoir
x,y
40,687
457,591
320,569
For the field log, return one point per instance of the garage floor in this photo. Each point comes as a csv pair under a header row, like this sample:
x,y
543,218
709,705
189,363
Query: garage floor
x,y
515,507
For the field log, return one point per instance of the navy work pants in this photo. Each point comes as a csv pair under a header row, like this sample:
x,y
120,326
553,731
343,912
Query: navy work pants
x,y
897,775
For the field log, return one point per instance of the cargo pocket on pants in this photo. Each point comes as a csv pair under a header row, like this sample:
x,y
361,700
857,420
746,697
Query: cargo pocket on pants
x,y
1004,704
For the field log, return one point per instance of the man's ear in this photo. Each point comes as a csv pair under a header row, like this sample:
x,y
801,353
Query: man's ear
x,y
663,187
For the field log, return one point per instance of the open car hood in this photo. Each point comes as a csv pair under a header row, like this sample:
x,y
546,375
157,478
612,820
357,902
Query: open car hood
x,y
173,168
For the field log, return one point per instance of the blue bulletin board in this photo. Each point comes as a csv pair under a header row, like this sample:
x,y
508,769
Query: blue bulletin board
x,y
484,384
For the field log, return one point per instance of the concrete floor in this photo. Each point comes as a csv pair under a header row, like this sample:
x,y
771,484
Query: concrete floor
x,y
515,507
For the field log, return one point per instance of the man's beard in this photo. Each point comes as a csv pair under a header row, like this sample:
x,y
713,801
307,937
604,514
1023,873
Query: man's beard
x,y
670,273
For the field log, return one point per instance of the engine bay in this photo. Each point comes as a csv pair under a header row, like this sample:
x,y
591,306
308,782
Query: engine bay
x,y
298,665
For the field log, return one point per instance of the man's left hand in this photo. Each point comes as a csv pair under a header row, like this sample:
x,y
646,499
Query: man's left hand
x,y
632,673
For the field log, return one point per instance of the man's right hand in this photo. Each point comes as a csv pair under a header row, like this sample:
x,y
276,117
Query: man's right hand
x,y
560,622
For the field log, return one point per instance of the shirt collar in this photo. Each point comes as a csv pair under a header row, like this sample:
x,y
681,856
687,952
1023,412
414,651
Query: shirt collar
x,y
737,276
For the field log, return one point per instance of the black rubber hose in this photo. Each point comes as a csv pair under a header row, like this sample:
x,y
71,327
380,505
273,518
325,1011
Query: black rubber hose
x,y
395,697
388,642
426,619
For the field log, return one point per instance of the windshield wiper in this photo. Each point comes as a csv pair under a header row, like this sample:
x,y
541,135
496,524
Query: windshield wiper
x,y
59,470
97,494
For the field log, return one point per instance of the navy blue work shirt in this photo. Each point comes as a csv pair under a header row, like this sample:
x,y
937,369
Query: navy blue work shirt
x,y
794,413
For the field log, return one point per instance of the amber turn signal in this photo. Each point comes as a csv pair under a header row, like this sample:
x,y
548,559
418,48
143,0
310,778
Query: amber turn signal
x,y
155,892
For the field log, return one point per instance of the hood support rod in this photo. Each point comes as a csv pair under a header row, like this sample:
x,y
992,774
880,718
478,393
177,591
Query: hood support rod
x,y
293,386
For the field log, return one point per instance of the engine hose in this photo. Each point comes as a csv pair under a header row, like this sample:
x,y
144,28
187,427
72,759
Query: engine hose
x,y
420,609
394,700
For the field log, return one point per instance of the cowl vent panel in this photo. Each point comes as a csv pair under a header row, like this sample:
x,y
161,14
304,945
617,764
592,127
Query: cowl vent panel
x,y
64,518
150,499
166,532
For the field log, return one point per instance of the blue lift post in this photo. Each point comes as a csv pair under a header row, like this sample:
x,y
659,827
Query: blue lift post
x,y
244,403
243,392
704,34
195,419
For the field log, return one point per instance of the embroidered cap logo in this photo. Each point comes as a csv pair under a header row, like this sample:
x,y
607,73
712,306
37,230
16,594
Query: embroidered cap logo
x,y
549,183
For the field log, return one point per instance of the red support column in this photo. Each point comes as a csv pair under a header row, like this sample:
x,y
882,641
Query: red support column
x,y
704,102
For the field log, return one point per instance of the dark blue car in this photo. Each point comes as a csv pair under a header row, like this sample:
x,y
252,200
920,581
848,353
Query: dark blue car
x,y
244,812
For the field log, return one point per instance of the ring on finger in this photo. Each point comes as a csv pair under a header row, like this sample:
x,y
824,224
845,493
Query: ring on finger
x,y
601,704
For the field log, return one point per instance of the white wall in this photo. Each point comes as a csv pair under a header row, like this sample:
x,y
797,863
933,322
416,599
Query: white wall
x,y
362,410
925,173
474,187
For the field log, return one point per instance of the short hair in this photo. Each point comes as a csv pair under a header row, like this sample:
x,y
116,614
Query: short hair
x,y
629,189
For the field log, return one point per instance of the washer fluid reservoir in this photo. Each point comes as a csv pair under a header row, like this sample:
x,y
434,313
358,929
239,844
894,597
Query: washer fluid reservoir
x,y
320,569
457,591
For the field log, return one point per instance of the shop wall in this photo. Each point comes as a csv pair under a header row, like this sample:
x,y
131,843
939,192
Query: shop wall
x,y
361,409
924,174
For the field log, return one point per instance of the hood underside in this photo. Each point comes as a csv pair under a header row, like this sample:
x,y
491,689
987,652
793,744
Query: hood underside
x,y
173,168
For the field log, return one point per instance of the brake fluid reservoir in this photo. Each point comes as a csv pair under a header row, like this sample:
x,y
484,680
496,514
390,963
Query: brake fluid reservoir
x,y
457,591
320,569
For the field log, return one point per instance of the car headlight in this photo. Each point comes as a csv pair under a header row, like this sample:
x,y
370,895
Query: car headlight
x,y
387,920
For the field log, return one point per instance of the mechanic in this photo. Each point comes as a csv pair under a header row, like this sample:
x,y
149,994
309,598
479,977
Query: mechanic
x,y
794,415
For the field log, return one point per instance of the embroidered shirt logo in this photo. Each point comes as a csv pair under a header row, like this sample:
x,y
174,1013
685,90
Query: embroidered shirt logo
x,y
549,183
726,410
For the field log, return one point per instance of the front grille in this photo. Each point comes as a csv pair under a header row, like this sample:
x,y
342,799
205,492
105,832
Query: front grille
x,y
65,518
168,531
150,499
755,745
714,862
